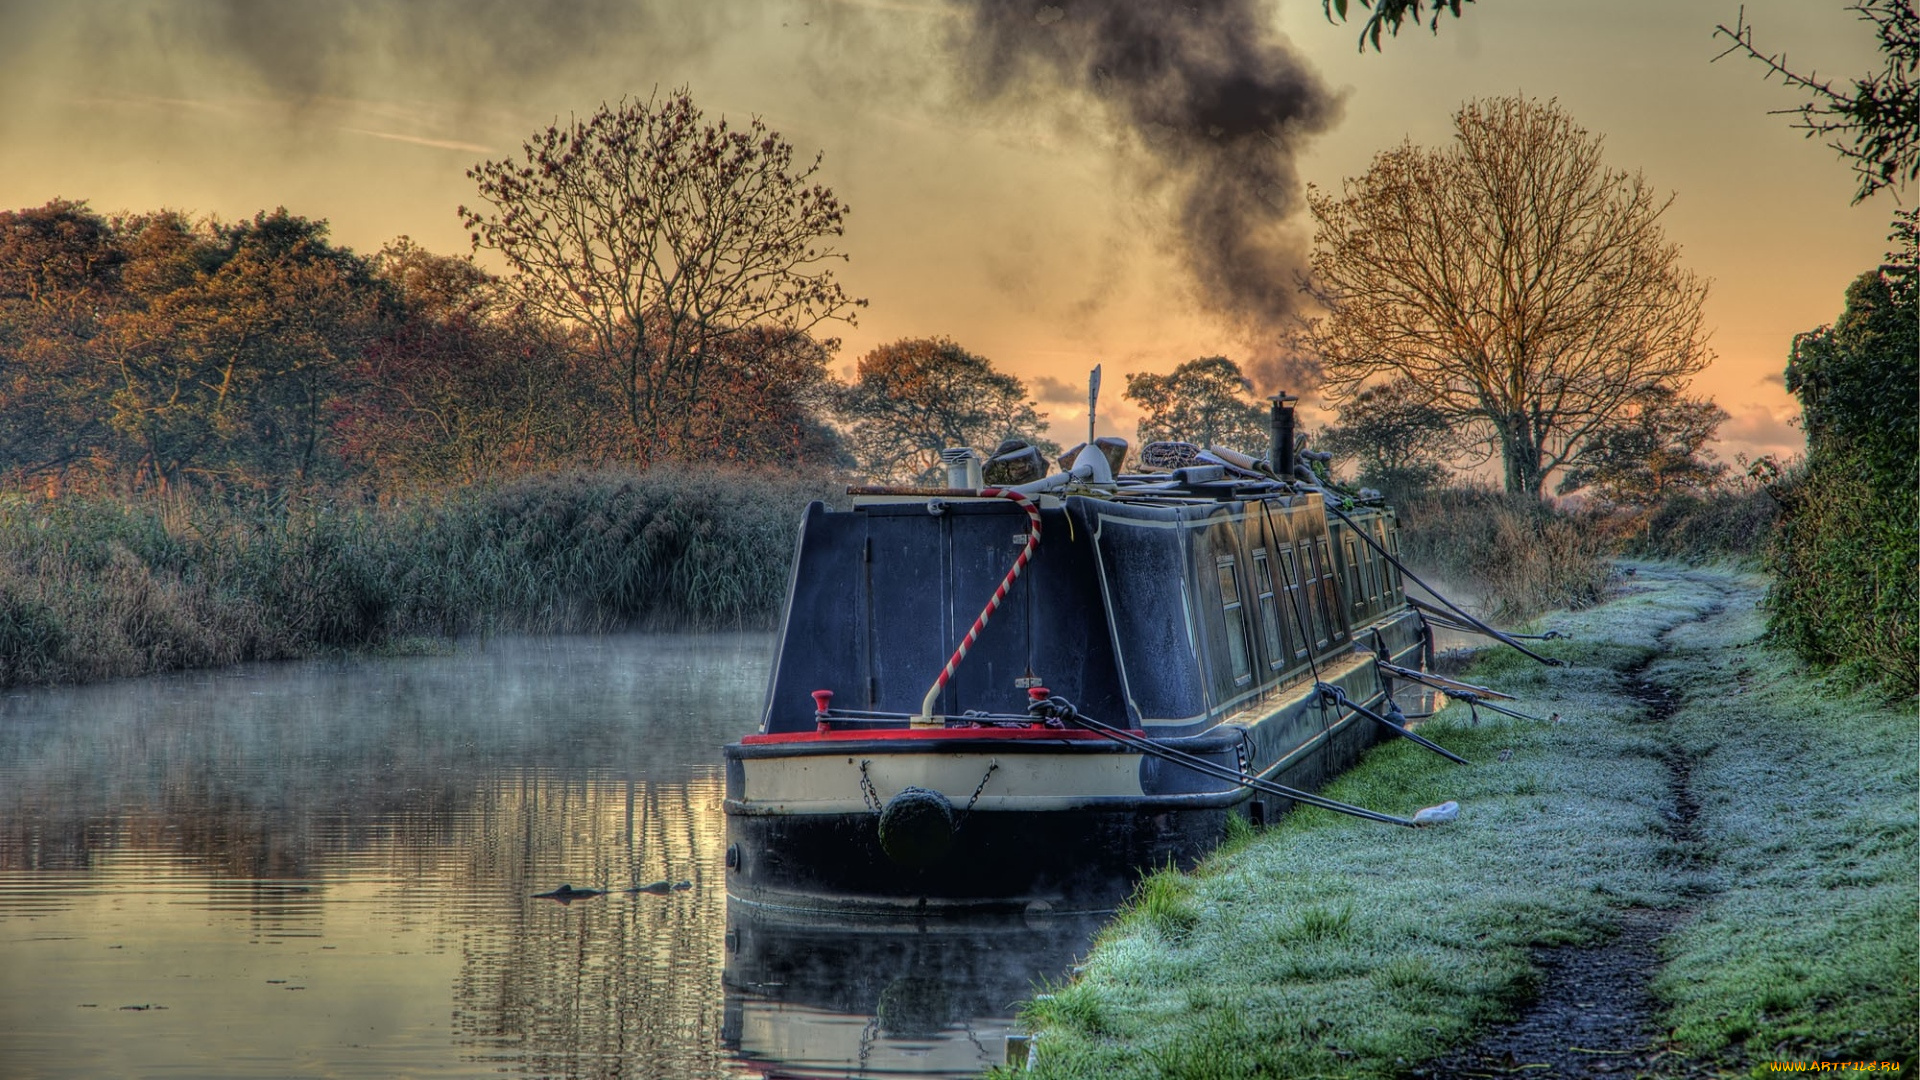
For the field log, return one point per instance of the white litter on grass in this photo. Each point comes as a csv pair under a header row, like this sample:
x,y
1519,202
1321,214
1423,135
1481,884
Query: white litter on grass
x,y
1436,815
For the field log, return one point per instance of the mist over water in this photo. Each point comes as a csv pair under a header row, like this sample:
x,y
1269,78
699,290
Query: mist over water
x,y
330,868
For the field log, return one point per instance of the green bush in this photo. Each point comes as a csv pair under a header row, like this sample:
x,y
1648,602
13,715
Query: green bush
x,y
1845,558
1735,522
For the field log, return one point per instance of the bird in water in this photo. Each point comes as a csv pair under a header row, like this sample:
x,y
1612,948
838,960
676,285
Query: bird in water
x,y
567,894
662,887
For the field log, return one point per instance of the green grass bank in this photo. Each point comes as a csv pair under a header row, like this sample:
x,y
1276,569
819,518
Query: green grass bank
x,y
96,588
1772,817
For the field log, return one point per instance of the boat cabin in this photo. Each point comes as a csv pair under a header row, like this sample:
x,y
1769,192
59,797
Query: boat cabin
x,y
1169,612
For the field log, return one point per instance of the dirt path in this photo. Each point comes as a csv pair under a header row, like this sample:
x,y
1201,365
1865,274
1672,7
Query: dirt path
x,y
1594,1015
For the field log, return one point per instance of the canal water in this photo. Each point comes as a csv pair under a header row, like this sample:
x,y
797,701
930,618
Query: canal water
x,y
331,868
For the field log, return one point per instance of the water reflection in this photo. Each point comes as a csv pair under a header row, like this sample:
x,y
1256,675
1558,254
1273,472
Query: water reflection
x,y
331,868
819,996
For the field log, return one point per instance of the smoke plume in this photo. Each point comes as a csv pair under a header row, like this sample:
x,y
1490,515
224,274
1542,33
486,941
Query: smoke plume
x,y
1218,104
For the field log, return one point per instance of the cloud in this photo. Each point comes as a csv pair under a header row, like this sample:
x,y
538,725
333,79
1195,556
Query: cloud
x,y
438,144
1048,390
1756,429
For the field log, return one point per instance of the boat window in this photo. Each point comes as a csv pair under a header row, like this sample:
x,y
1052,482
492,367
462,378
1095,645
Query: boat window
x,y
1357,573
1269,610
1329,591
1387,583
1396,585
1373,574
1311,563
1296,607
1236,623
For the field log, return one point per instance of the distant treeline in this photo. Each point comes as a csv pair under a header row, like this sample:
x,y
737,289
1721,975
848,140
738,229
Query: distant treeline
x,y
241,441
148,351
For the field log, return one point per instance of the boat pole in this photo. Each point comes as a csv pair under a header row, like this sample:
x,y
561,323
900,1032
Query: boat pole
x,y
1059,708
1440,682
1550,661
1093,399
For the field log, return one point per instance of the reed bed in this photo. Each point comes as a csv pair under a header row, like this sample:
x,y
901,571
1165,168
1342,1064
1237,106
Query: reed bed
x,y
1517,555
94,588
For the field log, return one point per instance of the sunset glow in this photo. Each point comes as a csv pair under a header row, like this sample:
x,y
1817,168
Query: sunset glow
x,y
1028,227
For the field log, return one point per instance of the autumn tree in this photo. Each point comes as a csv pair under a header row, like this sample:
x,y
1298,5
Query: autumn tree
x,y
915,397
59,280
662,239
235,344
1658,448
1203,401
1524,287
1401,441
768,392
467,385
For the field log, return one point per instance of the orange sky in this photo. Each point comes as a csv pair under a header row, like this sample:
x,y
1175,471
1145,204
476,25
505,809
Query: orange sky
x,y
1018,229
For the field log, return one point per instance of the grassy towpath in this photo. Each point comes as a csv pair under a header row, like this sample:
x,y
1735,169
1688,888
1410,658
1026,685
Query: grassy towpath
x,y
1709,862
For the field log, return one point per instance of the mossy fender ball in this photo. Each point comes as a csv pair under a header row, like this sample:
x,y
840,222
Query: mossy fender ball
x,y
917,827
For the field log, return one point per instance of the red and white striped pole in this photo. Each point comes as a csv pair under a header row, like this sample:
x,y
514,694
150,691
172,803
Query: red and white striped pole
x,y
925,719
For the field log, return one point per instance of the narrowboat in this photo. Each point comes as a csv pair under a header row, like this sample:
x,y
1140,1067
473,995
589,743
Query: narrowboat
x,y
1161,650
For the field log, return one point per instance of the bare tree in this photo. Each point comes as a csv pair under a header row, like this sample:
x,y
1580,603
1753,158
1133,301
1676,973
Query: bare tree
x,y
661,236
1521,285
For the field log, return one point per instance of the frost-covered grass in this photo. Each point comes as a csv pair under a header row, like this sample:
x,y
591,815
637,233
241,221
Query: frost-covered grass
x,y
1808,807
1329,946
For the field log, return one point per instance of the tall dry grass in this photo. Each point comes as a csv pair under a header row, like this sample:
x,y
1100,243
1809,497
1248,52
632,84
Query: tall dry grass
x,y
1519,556
1734,523
94,588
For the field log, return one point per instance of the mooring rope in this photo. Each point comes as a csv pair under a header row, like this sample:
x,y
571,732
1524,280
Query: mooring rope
x,y
1339,698
1445,621
1060,708
1457,610
925,719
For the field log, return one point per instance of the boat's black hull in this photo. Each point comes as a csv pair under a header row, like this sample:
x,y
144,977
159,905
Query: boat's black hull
x,y
1084,859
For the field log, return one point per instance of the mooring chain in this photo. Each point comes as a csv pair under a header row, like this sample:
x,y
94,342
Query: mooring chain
x,y
992,767
872,796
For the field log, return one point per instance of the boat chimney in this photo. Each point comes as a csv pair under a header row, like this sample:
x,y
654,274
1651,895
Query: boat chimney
x,y
963,468
1282,450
